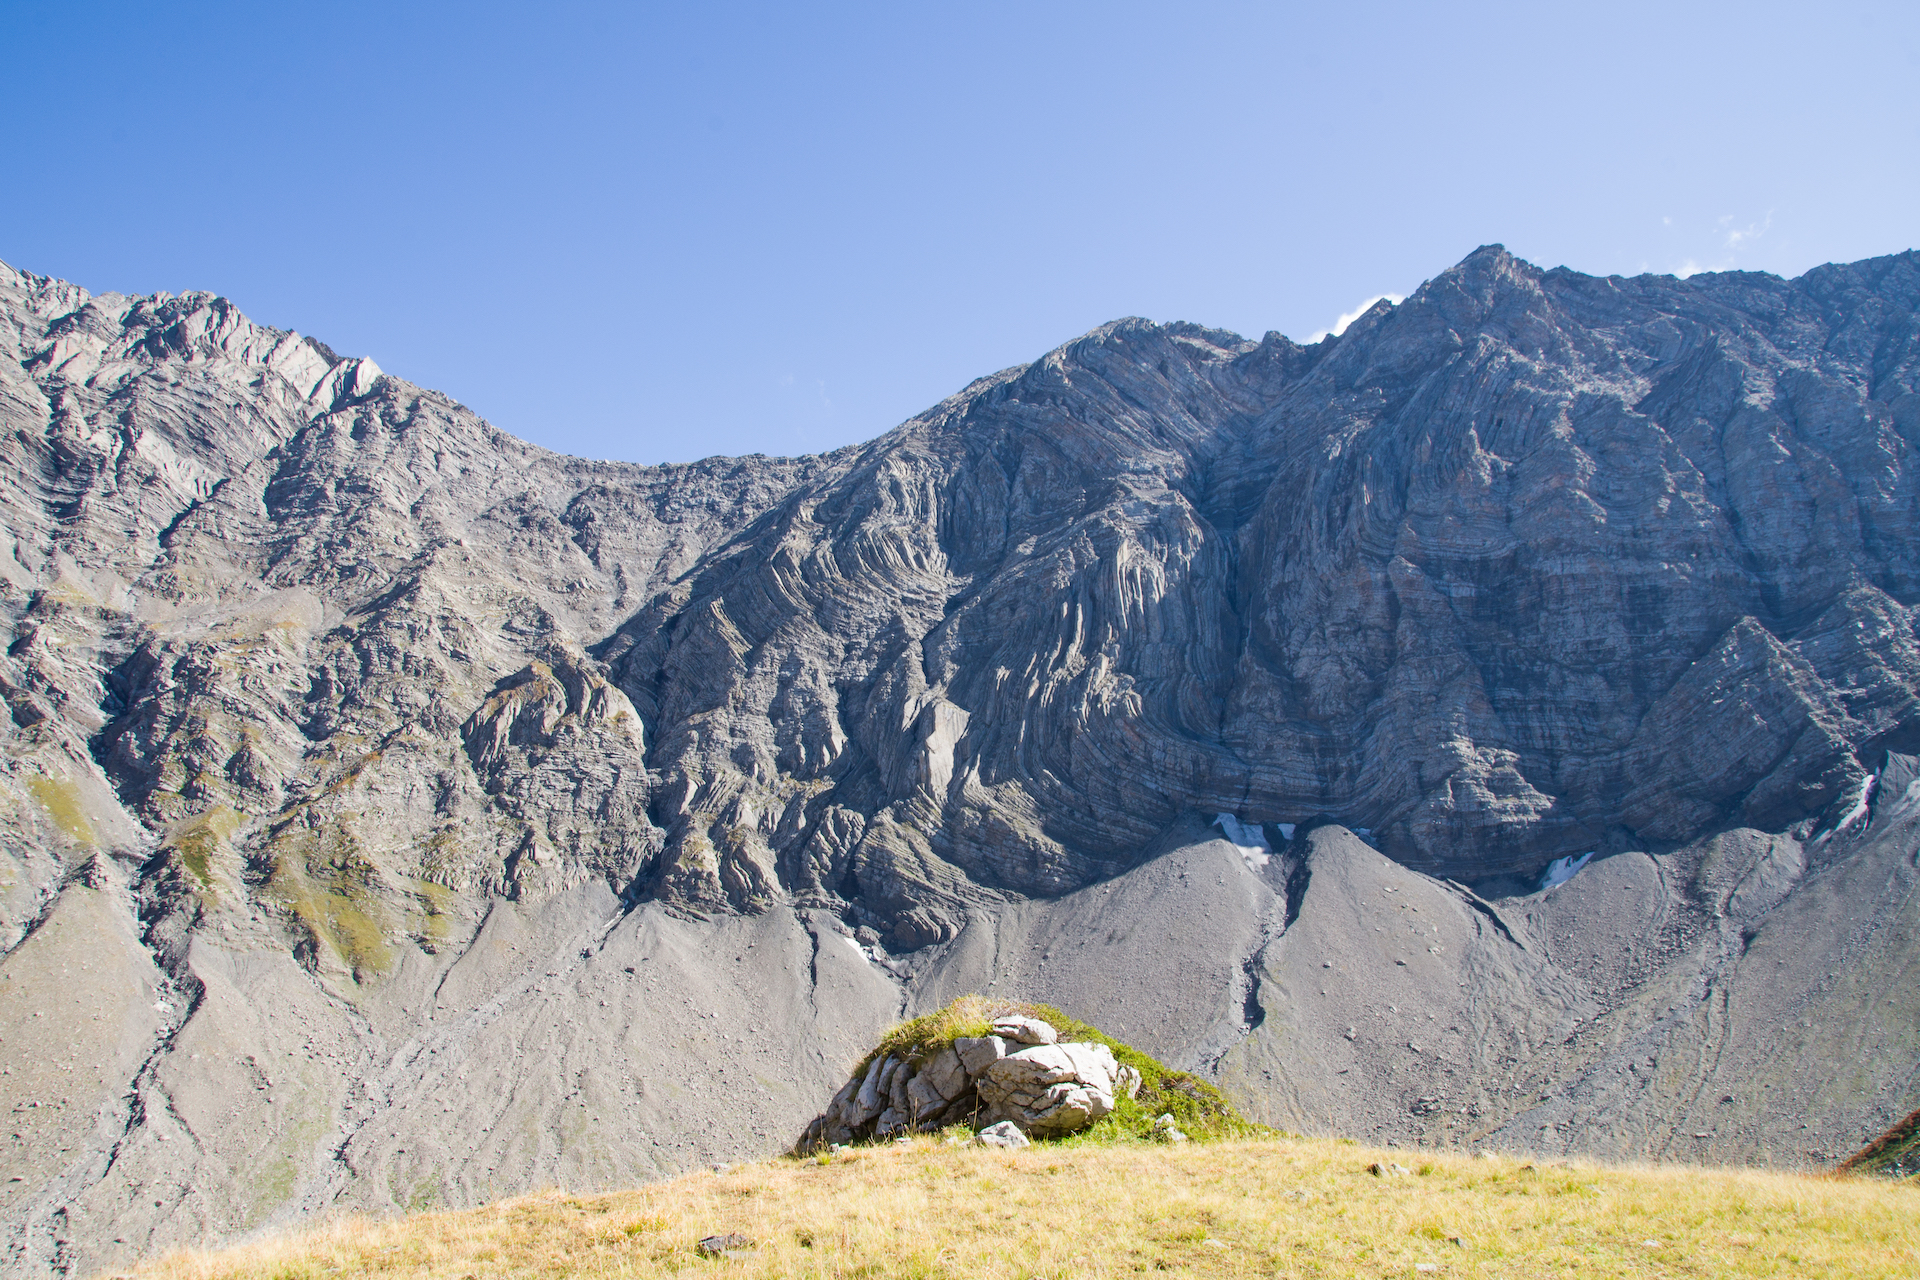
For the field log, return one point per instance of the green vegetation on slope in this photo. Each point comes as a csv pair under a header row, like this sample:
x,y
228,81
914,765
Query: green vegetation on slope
x,y
1894,1154
61,799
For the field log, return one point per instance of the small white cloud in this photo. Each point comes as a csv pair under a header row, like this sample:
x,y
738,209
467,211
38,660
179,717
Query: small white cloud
x,y
1737,236
1347,318
1734,239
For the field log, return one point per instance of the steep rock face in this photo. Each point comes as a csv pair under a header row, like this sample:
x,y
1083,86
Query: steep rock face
x,y
269,590
1529,563
295,703
395,813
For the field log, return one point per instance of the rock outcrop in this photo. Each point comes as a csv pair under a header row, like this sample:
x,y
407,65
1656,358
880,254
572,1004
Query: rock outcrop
x,y
1019,1073
366,773
1052,1088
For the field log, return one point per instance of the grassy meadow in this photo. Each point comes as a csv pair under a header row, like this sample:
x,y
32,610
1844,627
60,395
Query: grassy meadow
x,y
1256,1207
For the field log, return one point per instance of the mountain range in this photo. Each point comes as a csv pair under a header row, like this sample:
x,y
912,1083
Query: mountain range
x,y
1492,725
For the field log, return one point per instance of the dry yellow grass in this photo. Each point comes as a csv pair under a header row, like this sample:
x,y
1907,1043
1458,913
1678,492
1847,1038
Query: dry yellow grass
x,y
1249,1208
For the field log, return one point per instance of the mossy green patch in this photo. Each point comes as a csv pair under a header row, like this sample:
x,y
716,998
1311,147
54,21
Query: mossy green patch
x,y
786,786
61,799
195,841
335,893
66,594
436,913
441,855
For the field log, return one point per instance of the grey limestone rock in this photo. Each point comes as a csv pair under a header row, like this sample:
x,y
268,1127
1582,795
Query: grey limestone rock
x,y
1005,1134
1023,1030
1373,579
874,1092
366,773
939,1084
977,1053
923,1100
1045,1087
945,1074
1052,1088
731,1245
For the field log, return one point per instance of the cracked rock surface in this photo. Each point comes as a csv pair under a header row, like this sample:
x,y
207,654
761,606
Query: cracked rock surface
x,y
394,814
1019,1074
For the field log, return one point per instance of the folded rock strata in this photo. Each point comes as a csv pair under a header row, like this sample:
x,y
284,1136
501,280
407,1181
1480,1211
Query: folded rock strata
x,y
369,777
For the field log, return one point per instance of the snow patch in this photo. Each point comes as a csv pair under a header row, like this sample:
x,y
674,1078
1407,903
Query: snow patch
x,y
1561,870
857,948
1855,811
1286,830
1248,838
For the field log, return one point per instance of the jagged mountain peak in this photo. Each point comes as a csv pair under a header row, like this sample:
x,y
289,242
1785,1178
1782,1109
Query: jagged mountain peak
x,y
346,728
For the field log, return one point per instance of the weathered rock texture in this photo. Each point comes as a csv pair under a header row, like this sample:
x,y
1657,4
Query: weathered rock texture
x,y
388,803
1527,563
1018,1074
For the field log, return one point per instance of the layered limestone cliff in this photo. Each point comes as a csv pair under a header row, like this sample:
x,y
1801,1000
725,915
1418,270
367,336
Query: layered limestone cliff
x,y
396,813
1530,564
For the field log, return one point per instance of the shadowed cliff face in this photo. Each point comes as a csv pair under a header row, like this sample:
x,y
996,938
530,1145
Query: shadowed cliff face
x,y
393,813
1531,563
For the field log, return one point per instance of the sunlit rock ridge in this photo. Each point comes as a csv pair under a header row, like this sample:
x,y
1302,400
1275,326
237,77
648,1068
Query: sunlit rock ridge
x,y
396,813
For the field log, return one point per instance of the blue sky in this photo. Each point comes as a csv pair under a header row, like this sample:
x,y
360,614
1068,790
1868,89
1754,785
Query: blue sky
x,y
659,232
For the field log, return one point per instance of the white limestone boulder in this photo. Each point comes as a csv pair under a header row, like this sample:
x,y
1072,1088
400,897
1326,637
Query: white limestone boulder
x,y
1024,1030
1052,1088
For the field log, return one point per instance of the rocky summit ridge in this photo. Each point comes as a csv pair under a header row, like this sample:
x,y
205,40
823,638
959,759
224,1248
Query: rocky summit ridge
x,y
396,813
